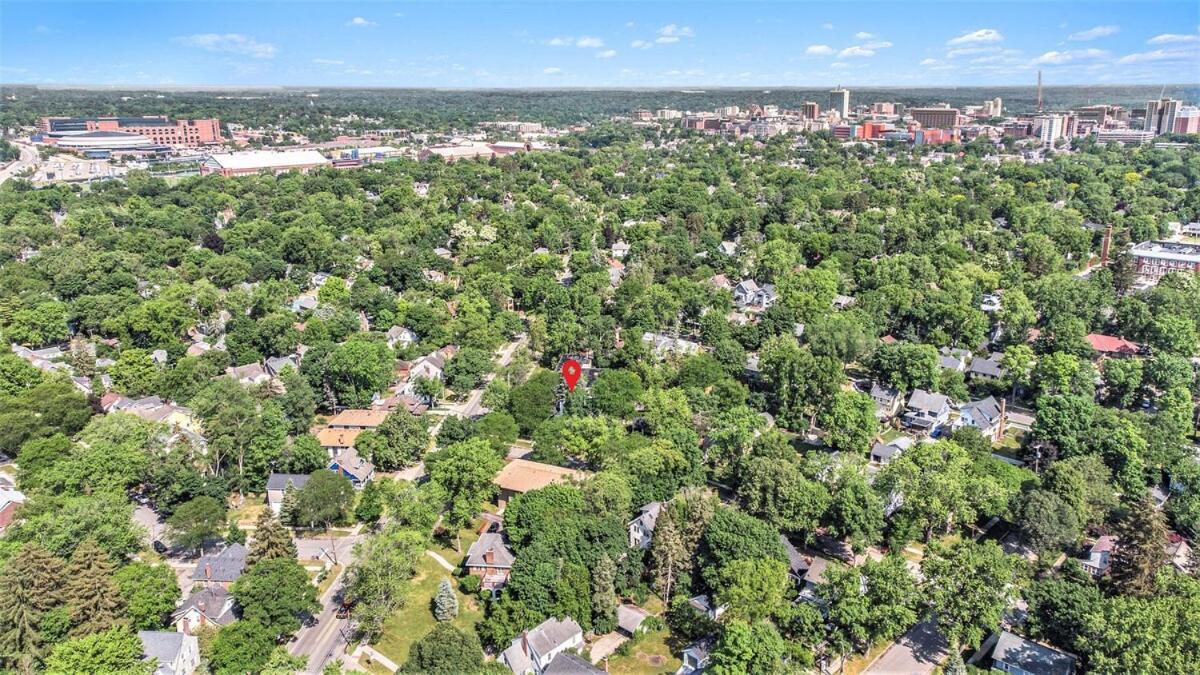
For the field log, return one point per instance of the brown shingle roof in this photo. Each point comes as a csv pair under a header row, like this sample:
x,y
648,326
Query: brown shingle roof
x,y
522,475
337,438
358,418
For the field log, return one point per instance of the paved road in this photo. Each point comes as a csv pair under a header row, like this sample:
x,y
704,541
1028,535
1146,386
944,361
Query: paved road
x,y
29,158
917,652
326,640
320,548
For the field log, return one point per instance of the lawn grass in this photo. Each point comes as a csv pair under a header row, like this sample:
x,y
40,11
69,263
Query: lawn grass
x,y
252,506
859,662
415,619
648,656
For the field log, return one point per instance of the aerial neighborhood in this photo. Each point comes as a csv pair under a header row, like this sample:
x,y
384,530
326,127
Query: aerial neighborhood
x,y
569,382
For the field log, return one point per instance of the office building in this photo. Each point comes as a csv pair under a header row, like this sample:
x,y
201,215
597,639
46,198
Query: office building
x,y
810,110
1123,136
938,117
159,129
1187,120
1160,116
839,100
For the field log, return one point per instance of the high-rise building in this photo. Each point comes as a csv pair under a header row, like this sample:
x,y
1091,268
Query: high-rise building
x,y
1050,128
938,117
1160,116
810,110
839,100
1187,120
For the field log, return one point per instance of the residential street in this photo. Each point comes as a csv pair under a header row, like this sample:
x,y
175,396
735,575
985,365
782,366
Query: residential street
x,y
28,159
917,652
326,640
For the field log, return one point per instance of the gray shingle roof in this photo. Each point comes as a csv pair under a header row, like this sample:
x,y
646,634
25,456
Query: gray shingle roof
x,y
1031,656
279,481
211,602
224,567
503,555
161,645
984,411
924,400
567,663
553,633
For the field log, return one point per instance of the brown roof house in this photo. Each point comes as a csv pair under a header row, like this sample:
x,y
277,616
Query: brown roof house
x,y
521,475
491,559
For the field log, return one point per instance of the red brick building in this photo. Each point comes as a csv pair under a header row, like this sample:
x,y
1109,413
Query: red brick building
x,y
159,129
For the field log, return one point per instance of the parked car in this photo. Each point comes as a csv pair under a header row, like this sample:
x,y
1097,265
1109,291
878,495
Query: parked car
x,y
159,547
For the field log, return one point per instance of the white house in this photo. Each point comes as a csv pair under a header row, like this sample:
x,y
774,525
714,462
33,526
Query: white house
x,y
926,411
532,651
986,415
641,529
172,653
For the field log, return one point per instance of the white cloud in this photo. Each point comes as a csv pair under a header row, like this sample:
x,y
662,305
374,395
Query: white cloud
x,y
1167,38
641,44
827,26
863,35
359,21
329,62
671,30
230,43
819,50
552,71
589,42
1093,33
666,39
930,62
981,35
855,51
1057,57
561,42
877,44
969,51
606,54
1160,55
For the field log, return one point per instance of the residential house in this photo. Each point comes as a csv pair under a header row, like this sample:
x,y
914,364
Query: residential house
x,y
1014,654
987,415
212,606
356,469
749,295
630,618
990,369
429,367
695,658
304,303
357,418
443,253
249,374
953,359
887,400
1112,346
568,663
532,651
1099,556
664,345
11,499
841,302
276,364
704,606
926,411
490,559
407,402
990,303
620,249
399,336
221,569
641,529
522,475
172,653
720,282
277,484
1179,553
336,440
883,453
616,272
728,248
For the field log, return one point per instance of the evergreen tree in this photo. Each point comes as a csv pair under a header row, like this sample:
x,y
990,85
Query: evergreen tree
x,y
271,540
30,588
445,603
287,509
604,595
955,664
94,598
236,535
1139,554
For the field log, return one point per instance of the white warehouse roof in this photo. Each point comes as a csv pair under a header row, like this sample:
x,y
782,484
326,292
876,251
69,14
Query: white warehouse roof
x,y
266,159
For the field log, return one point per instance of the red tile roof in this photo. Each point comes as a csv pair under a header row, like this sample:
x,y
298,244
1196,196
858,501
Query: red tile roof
x,y
1110,344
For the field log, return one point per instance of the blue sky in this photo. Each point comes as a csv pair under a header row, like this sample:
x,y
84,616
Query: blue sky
x,y
602,44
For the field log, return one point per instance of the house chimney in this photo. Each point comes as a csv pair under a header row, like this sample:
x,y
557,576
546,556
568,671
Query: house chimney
x,y
208,571
489,556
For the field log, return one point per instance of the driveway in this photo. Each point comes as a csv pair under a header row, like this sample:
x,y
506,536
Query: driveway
x,y
917,652
605,645
148,519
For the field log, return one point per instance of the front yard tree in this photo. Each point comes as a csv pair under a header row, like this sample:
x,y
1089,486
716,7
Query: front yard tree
x,y
196,522
445,603
445,650
95,601
271,540
968,586
276,593
117,650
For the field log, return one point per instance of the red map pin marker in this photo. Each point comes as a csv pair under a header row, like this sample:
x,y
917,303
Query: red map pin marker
x,y
570,372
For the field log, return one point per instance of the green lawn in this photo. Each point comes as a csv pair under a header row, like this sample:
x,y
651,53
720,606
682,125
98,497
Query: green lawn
x,y
415,619
252,506
649,655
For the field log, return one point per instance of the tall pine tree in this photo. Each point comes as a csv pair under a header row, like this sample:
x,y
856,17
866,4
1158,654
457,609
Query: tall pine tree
x,y
93,596
604,595
287,508
30,587
271,540
1139,554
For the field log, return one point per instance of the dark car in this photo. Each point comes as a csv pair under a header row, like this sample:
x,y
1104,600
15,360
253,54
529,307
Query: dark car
x,y
159,547
343,610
